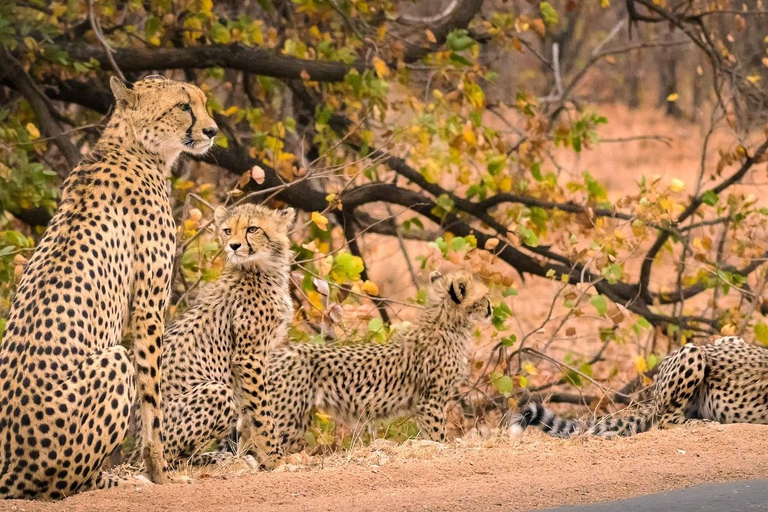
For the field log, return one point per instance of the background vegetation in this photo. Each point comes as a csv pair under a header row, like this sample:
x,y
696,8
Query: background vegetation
x,y
423,135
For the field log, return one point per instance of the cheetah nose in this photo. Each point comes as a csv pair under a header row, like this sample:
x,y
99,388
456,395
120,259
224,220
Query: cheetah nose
x,y
235,246
210,132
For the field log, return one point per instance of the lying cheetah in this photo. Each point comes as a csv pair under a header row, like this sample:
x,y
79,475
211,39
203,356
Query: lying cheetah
x,y
724,381
104,261
215,364
415,373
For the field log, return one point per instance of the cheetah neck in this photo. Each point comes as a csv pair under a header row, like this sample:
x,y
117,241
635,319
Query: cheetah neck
x,y
277,269
121,133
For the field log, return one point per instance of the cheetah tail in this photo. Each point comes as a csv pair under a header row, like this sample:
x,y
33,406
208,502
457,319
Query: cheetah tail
x,y
534,414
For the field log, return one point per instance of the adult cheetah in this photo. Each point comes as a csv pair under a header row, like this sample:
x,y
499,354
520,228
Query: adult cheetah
x,y
724,381
417,372
215,363
104,261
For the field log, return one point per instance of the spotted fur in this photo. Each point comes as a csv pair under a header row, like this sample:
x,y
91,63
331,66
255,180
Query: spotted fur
x,y
416,373
215,368
725,381
104,263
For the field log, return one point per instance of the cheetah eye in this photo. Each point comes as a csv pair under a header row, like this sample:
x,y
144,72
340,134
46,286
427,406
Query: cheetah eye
x,y
185,107
252,229
227,231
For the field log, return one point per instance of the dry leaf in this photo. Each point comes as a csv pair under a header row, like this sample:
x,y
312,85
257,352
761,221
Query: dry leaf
x,y
491,244
430,36
257,173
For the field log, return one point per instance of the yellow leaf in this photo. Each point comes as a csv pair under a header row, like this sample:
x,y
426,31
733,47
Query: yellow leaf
x,y
530,369
505,184
231,110
753,79
673,97
676,185
324,418
320,220
728,330
605,4
640,364
381,33
765,61
370,288
469,134
33,131
381,67
430,36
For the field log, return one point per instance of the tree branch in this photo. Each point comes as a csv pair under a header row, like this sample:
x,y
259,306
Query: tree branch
x,y
233,56
12,71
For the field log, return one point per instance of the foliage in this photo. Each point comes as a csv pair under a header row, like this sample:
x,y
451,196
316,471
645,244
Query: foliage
x,y
374,128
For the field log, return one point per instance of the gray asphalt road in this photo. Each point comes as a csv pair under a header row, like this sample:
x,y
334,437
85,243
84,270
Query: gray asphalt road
x,y
747,496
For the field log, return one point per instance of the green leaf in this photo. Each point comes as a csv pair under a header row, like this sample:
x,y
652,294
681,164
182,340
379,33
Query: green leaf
x,y
536,172
503,383
375,325
509,340
459,40
347,267
548,13
761,333
709,198
600,304
509,291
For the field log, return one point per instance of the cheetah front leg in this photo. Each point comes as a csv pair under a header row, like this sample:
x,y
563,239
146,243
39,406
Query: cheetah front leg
x,y
256,432
680,375
149,302
431,420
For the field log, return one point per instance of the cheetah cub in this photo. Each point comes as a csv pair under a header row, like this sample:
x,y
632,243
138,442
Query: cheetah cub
x,y
416,373
215,363
104,263
723,381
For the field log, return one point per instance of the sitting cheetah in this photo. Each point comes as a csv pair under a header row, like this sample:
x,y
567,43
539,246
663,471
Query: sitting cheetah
x,y
215,363
724,381
104,261
417,372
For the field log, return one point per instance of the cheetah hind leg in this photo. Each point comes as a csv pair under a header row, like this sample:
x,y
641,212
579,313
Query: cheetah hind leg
x,y
680,376
196,418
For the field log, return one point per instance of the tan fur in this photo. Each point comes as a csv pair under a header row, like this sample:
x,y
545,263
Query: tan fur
x,y
417,372
217,353
104,263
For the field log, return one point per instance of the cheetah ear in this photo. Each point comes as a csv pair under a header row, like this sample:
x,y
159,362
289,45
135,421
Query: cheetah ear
x,y
125,96
434,276
287,216
220,215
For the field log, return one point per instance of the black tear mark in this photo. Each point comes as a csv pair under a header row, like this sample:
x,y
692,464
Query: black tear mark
x,y
194,120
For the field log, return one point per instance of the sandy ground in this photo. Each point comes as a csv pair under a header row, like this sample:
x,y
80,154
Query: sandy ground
x,y
493,474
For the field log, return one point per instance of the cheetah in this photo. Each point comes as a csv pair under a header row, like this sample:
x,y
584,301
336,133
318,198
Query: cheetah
x,y
104,263
725,381
215,363
417,372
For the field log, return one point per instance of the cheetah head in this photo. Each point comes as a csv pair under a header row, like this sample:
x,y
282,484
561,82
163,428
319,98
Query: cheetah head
x,y
459,296
166,116
255,235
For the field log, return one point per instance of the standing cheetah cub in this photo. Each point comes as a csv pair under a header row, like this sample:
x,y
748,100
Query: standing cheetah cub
x,y
415,373
724,381
104,263
215,367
